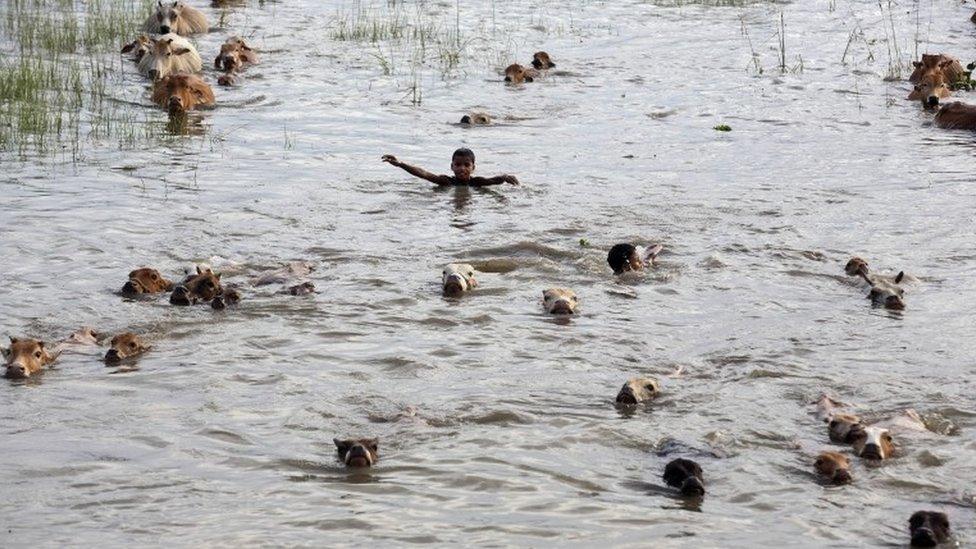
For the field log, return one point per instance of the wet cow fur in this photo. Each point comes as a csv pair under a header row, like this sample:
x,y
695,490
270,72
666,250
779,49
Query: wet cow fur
x,y
180,93
170,54
145,280
124,346
176,17
234,55
686,476
201,287
25,357
945,64
358,452
928,528
956,116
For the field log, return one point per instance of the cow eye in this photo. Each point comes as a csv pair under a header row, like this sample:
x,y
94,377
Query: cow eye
x,y
132,344
153,276
37,354
650,387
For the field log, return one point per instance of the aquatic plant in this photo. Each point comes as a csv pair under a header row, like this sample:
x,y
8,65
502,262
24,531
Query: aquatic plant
x,y
55,82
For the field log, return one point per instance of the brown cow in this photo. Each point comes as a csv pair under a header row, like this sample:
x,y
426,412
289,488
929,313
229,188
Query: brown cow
x,y
176,17
517,74
138,47
932,87
181,92
948,65
833,467
361,452
125,345
145,281
956,116
202,287
170,54
234,55
25,357
541,61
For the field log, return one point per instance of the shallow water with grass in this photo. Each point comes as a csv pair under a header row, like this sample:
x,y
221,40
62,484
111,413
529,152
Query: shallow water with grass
x,y
763,143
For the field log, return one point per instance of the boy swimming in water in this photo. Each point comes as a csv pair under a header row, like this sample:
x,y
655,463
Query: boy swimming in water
x,y
462,164
628,257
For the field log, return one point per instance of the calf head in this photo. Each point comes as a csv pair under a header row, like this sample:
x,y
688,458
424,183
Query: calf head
x,y
873,443
182,92
560,301
637,390
162,50
686,476
541,61
932,87
234,53
517,74
476,119
949,66
928,528
833,467
623,258
888,294
856,266
25,357
83,336
358,452
844,428
123,346
201,287
178,17
145,281
458,278
138,47
229,297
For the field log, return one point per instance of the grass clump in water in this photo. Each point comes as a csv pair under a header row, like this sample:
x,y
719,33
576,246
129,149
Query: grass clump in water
x,y
59,70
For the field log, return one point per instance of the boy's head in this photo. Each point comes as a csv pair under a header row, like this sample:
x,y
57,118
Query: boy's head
x,y
623,257
462,164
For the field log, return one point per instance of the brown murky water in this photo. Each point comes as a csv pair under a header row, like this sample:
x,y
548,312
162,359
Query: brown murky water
x,y
222,435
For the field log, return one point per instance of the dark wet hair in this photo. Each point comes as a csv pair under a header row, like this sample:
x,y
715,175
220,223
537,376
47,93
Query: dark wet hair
x,y
463,152
619,256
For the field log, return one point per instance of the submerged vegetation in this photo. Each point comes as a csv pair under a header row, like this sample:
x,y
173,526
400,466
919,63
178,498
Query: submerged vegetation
x,y
57,59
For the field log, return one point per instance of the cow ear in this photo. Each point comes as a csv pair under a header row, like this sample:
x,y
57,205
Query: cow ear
x,y
182,51
219,275
13,340
917,64
128,47
168,41
900,276
40,344
341,445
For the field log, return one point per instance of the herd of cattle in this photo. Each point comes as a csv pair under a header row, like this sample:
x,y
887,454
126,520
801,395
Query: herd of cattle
x,y
934,79
172,62
166,57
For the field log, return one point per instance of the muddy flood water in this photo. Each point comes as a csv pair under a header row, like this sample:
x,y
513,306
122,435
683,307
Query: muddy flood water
x,y
496,422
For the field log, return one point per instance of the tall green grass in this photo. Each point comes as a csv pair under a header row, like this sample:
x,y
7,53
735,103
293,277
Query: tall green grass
x,y
58,61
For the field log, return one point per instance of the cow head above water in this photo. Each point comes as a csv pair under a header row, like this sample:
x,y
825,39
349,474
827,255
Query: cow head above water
x,y
874,443
358,452
637,390
25,357
124,346
932,87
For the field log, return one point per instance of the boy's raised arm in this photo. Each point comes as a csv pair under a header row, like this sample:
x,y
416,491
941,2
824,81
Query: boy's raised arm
x,y
497,180
417,172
